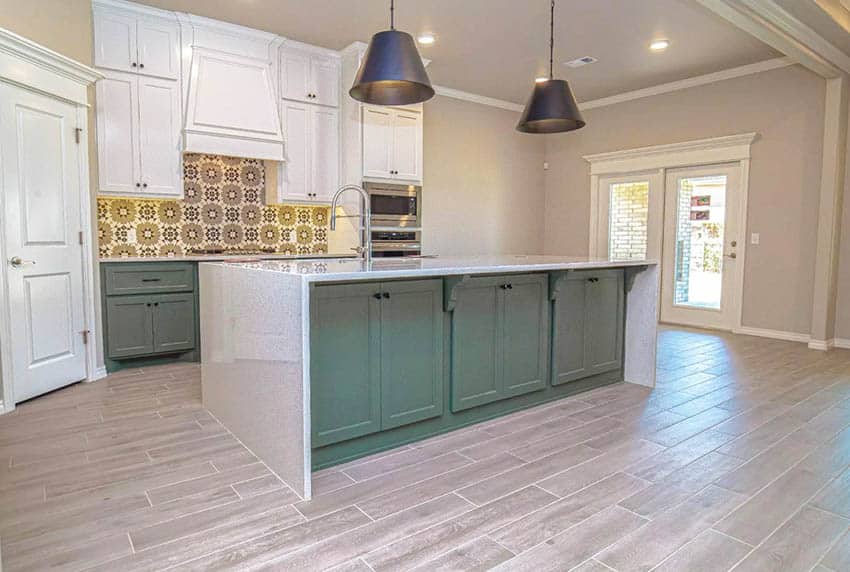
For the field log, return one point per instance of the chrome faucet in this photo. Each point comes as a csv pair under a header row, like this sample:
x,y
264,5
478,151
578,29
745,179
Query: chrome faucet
x,y
365,248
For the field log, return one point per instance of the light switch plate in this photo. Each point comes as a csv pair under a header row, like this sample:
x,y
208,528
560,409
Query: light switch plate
x,y
754,238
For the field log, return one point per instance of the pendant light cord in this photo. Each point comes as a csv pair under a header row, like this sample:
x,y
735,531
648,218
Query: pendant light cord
x,y
551,38
392,14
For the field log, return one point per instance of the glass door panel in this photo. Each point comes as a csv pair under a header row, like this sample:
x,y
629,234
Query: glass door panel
x,y
699,267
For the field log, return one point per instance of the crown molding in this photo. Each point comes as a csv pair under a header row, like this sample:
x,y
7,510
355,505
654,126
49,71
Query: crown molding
x,y
475,98
134,8
688,83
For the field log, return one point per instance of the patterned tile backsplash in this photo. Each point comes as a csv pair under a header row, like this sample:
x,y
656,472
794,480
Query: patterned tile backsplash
x,y
224,207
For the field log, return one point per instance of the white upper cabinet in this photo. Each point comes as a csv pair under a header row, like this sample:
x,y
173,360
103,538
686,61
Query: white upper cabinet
x,y
138,126
136,43
392,144
309,74
310,172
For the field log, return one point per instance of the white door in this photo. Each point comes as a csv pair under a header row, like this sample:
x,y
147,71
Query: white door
x,y
406,152
297,169
159,135
44,270
630,216
295,75
377,142
701,244
325,148
158,48
118,132
325,79
115,41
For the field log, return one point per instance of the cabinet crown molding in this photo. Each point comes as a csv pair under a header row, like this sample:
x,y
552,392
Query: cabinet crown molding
x,y
137,9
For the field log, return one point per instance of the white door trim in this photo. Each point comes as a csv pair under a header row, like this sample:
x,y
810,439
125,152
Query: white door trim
x,y
715,150
29,66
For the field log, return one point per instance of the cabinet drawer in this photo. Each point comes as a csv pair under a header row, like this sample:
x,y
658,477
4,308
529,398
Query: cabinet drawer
x,y
149,278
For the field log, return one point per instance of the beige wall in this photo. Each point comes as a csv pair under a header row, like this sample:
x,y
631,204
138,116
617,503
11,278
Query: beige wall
x,y
842,310
786,108
484,187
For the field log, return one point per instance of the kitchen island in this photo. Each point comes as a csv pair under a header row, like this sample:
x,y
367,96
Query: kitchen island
x,y
312,363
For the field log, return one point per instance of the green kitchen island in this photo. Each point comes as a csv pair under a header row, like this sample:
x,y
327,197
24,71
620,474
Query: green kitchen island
x,y
313,363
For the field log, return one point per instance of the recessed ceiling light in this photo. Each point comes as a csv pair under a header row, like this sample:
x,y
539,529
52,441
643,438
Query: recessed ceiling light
x,y
540,79
659,45
426,39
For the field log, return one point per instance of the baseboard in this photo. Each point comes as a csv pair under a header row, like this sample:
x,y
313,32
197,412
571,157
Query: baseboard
x,y
774,334
98,373
842,343
821,345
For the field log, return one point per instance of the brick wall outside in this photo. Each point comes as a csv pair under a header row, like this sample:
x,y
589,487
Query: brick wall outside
x,y
628,220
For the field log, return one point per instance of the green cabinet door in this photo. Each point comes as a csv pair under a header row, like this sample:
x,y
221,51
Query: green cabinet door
x,y
476,376
173,322
525,334
345,362
587,328
604,320
129,321
411,352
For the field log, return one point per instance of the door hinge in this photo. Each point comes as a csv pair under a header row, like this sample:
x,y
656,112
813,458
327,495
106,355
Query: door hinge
x,y
82,241
77,132
85,337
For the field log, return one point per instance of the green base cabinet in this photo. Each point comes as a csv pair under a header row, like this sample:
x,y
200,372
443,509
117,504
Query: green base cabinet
x,y
500,342
150,310
376,357
587,325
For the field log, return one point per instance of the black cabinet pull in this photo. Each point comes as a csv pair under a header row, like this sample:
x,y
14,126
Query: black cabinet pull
x,y
151,279
141,65
134,64
156,303
510,286
148,304
138,184
376,296
145,185
386,295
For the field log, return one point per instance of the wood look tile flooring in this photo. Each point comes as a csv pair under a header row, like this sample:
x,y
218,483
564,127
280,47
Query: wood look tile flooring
x,y
738,460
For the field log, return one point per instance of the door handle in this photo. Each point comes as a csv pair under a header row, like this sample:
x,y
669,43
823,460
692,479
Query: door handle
x,y
731,255
17,261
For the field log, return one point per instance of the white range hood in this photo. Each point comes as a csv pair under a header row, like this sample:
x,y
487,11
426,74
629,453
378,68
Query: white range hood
x,y
229,75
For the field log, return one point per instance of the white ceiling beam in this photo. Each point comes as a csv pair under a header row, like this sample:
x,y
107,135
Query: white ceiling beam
x,y
774,26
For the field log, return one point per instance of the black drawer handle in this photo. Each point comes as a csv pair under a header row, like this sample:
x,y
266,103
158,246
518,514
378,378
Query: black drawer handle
x,y
593,279
151,279
507,286
386,295
376,296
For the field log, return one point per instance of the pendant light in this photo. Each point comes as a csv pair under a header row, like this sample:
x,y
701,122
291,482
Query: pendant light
x,y
392,72
552,108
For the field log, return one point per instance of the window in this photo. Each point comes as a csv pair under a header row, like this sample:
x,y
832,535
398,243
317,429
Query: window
x,y
628,218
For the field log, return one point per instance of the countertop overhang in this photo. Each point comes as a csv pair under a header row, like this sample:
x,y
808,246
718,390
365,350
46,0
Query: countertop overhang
x,y
345,270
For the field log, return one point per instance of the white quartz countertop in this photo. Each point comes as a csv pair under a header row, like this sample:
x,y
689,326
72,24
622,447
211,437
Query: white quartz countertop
x,y
225,257
344,270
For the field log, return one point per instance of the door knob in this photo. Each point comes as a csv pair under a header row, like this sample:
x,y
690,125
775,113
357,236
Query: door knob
x,y
18,261
731,255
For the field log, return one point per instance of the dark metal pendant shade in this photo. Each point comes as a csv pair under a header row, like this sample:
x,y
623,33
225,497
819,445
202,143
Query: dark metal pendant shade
x,y
392,72
551,109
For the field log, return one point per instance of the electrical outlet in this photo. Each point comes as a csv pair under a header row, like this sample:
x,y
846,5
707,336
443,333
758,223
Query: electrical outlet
x,y
754,238
131,236
545,165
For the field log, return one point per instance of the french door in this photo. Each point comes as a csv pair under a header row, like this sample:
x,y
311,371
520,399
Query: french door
x,y
700,267
630,216
44,265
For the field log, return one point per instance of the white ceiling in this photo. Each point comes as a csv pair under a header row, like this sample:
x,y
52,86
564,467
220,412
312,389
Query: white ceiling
x,y
497,47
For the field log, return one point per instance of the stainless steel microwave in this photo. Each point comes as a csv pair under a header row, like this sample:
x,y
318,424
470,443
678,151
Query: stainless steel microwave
x,y
395,205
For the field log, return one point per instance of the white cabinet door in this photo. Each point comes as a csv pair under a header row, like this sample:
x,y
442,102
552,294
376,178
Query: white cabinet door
x,y
325,148
117,134
377,142
159,136
115,41
295,75
407,142
158,48
297,171
325,75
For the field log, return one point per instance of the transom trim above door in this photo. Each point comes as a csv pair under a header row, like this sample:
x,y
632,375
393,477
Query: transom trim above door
x,y
686,154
